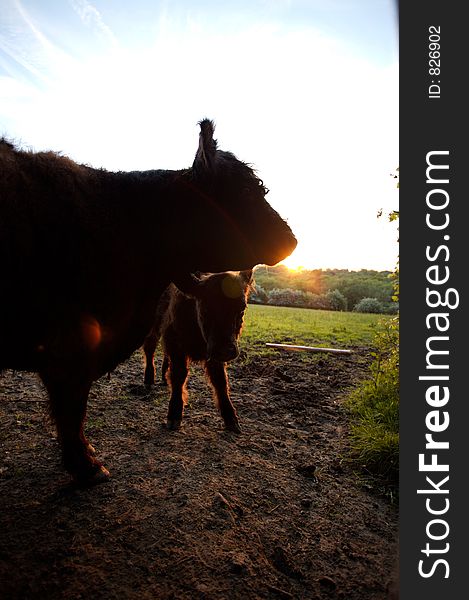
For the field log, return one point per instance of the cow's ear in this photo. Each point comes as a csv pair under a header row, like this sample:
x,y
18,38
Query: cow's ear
x,y
206,152
189,283
246,276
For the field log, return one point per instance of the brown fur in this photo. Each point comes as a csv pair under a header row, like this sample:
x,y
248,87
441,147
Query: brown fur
x,y
202,325
86,253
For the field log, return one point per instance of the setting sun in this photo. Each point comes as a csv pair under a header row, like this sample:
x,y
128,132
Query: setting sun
x,y
293,262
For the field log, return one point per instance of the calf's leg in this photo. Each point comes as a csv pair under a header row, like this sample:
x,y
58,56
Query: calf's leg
x,y
68,400
178,372
216,372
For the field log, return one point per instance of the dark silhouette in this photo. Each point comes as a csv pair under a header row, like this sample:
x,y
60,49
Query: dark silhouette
x,y
153,338
202,325
85,255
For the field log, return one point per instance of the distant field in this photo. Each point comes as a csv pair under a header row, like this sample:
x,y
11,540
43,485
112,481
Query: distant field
x,y
304,326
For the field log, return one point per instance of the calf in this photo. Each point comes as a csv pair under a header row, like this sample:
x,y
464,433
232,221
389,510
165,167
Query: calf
x,y
86,253
201,325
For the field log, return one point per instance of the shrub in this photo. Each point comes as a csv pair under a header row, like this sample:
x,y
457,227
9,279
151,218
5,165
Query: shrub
x,y
317,301
391,308
331,300
258,295
286,297
336,300
368,305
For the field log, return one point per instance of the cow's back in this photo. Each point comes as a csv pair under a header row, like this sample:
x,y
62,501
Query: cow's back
x,y
40,243
71,248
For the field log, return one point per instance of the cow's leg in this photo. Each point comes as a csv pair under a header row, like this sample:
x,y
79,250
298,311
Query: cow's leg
x,y
149,347
164,369
178,373
216,372
68,409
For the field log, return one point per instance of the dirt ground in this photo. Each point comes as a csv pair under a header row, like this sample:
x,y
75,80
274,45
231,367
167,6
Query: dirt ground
x,y
276,512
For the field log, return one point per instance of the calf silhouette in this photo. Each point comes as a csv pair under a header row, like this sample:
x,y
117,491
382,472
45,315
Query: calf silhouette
x,y
201,325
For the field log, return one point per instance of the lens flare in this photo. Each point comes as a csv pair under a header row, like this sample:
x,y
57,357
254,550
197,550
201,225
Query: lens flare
x,y
91,332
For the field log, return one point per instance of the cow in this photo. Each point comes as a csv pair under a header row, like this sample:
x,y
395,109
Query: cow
x,y
86,253
201,325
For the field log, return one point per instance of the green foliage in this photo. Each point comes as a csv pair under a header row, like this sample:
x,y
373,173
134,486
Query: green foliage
x,y
353,285
368,305
331,300
375,409
258,295
281,277
391,309
337,301
375,403
290,297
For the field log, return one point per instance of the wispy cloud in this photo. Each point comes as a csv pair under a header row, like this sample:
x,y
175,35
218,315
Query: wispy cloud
x,y
91,17
39,36
22,59
27,52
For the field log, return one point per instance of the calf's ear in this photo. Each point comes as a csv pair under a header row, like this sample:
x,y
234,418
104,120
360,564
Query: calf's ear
x,y
205,156
189,284
246,276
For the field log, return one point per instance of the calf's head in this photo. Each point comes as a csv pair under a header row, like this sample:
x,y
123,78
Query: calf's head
x,y
221,300
235,225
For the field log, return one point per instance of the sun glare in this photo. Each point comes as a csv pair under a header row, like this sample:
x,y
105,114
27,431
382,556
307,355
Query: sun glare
x,y
292,262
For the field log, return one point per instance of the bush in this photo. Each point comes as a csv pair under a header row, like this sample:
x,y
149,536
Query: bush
x,y
332,300
317,301
258,295
336,300
391,308
368,305
287,297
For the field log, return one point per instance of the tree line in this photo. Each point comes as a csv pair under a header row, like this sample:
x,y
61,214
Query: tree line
x,y
331,289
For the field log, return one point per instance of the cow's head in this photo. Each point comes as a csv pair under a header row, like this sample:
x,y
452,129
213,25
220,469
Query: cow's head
x,y
237,227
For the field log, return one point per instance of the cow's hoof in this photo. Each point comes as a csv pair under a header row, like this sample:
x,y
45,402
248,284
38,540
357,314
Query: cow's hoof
x,y
173,424
233,426
95,476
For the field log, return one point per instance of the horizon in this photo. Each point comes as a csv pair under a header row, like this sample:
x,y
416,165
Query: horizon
x,y
301,268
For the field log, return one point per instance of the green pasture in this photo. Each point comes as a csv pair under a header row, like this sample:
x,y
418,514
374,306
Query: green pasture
x,y
374,403
303,326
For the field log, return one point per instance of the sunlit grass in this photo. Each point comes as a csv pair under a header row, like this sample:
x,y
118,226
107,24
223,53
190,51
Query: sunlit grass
x,y
374,408
302,326
374,404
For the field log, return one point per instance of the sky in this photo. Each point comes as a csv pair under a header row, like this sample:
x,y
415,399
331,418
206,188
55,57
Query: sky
x,y
304,90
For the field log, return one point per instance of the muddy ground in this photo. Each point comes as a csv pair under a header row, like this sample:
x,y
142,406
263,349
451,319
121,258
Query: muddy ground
x,y
276,512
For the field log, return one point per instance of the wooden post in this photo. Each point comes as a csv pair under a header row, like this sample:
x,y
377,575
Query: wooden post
x,y
308,348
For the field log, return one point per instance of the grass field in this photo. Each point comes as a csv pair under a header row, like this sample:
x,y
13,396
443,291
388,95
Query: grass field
x,y
373,404
277,324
